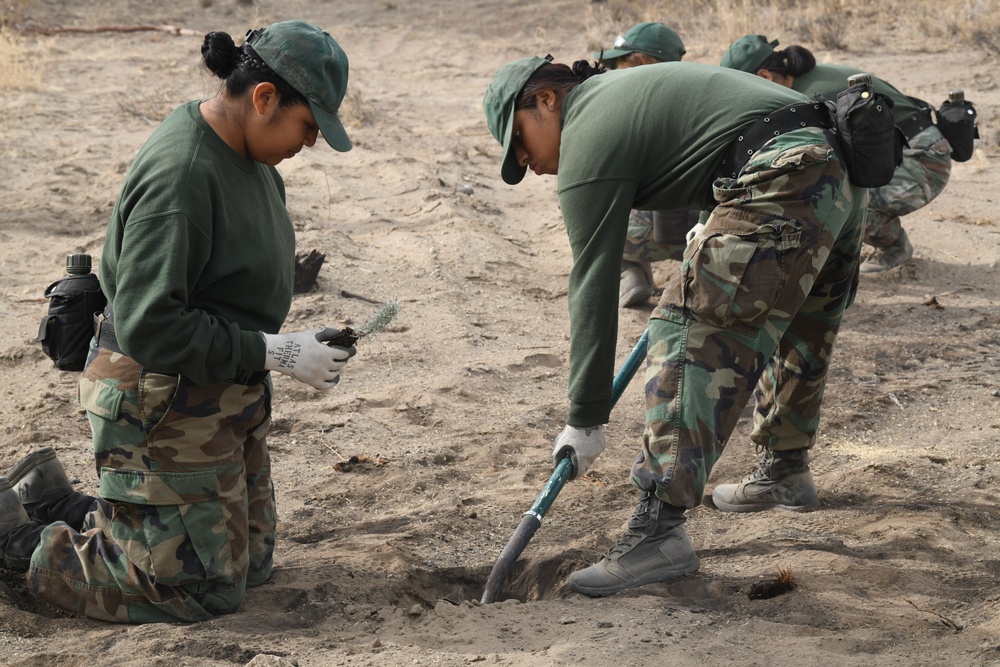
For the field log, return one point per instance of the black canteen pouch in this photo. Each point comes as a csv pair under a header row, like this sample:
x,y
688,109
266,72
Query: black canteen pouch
x,y
66,330
957,122
870,142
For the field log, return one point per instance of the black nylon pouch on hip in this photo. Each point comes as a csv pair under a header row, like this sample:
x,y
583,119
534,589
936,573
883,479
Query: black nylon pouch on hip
x,y
67,328
957,122
871,142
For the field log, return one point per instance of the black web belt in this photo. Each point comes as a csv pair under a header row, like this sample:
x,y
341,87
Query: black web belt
x,y
104,332
753,137
920,122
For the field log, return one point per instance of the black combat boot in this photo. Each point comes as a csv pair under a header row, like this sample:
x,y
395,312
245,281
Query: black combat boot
x,y
655,547
18,535
45,491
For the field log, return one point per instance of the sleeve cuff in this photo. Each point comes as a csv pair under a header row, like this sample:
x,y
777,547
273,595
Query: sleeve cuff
x,y
589,414
251,351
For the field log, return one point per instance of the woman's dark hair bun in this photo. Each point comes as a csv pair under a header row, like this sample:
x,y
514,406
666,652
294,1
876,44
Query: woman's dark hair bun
x,y
219,53
584,70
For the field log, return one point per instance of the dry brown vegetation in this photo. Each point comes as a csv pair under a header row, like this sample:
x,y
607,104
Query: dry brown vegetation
x,y
851,25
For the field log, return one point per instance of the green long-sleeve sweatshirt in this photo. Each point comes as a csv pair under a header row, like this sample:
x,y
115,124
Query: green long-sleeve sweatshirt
x,y
199,256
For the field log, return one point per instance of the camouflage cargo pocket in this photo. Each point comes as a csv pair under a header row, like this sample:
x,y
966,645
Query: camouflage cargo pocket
x,y
108,384
171,525
734,274
114,386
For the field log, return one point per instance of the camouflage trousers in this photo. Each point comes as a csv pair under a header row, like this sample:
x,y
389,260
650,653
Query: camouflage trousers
x,y
759,297
654,236
185,521
920,178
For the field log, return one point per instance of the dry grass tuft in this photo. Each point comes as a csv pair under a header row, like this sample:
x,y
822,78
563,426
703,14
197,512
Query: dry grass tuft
x,y
355,110
22,61
13,11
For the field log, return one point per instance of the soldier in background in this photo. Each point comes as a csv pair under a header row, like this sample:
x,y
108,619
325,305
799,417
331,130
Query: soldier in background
x,y
926,163
653,236
782,432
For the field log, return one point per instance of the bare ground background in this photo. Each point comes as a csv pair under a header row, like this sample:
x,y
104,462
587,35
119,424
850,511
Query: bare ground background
x,y
452,412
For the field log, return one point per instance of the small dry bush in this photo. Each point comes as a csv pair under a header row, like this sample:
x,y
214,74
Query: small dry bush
x,y
12,11
22,60
355,110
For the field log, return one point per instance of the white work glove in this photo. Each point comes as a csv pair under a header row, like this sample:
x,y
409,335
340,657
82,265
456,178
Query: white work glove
x,y
694,232
583,443
305,356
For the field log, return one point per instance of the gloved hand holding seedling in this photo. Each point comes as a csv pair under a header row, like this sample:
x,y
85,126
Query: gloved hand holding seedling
x,y
348,336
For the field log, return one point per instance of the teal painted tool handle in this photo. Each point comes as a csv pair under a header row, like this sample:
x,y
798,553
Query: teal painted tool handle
x,y
532,519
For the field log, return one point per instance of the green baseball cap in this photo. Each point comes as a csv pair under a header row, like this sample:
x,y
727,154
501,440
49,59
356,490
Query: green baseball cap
x,y
748,53
499,107
654,39
312,63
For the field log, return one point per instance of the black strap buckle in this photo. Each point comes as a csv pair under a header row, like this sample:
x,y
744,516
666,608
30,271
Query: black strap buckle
x,y
104,332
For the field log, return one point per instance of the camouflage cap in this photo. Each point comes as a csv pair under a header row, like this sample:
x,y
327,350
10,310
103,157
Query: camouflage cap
x,y
311,62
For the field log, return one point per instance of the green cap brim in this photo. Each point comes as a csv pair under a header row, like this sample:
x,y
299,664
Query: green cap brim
x,y
613,53
511,172
499,105
331,128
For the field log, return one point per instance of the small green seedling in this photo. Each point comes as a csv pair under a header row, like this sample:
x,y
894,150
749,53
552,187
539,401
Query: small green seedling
x,y
348,336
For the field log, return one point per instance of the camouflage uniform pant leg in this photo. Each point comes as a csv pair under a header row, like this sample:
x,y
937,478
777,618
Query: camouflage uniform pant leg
x,y
87,573
169,539
920,178
640,244
765,251
261,509
790,391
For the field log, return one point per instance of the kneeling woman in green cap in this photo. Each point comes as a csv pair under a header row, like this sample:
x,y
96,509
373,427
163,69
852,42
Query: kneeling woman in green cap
x,y
198,268
762,287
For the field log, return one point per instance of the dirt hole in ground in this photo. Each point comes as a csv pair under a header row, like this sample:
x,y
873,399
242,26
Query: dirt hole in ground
x,y
537,579
527,581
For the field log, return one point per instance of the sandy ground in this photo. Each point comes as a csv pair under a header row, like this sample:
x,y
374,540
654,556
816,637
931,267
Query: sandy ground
x,y
452,412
